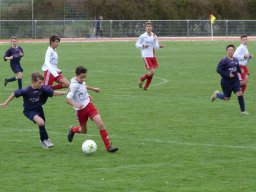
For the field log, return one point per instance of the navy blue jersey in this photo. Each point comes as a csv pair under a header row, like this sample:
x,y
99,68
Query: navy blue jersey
x,y
227,66
15,52
34,98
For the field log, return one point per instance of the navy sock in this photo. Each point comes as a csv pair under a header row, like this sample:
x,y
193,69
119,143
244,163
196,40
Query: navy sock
x,y
241,102
43,133
220,95
11,79
20,83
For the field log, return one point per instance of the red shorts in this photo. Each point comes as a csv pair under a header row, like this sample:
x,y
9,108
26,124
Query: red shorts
x,y
88,111
245,72
150,62
49,78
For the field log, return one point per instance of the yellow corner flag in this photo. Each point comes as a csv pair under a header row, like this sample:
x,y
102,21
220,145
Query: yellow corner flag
x,y
213,18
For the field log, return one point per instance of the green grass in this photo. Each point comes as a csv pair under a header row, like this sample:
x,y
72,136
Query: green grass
x,y
171,138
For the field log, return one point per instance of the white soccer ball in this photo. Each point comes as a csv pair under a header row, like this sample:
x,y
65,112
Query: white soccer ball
x,y
89,147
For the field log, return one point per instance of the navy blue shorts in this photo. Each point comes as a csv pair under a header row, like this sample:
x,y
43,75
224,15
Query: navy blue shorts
x,y
230,86
16,68
31,114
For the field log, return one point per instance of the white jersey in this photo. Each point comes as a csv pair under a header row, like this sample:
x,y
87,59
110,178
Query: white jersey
x,y
78,93
51,62
240,52
150,40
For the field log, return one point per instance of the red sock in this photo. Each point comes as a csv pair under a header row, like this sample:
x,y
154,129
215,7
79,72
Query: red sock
x,y
142,78
243,88
58,86
148,81
76,129
105,138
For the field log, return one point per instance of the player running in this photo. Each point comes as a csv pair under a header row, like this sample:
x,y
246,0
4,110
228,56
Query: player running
x,y
34,96
148,43
79,98
51,72
228,68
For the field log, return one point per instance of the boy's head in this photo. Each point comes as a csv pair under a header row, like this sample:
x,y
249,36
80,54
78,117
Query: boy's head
x,y
80,74
244,39
14,40
148,26
230,50
37,80
54,40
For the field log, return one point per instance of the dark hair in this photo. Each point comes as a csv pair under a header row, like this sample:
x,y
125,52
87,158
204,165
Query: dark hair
x,y
244,35
148,23
54,38
80,70
230,46
36,76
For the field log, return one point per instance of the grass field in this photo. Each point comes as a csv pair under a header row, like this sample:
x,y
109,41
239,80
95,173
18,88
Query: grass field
x,y
171,138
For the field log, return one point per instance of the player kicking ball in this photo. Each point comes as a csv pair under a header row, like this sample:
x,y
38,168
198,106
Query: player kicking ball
x,y
80,100
34,96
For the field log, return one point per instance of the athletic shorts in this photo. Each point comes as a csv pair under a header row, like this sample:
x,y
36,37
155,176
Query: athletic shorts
x,y
49,79
31,114
88,111
230,86
150,62
244,74
16,68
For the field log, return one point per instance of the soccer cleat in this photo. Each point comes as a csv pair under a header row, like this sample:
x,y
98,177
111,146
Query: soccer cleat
x,y
48,143
43,144
140,83
70,134
5,82
245,113
112,149
214,95
146,88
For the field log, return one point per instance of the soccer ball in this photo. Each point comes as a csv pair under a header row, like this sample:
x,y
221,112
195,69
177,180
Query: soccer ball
x,y
89,147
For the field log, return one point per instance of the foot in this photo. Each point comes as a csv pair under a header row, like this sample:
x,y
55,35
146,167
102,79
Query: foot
x,y
5,82
48,143
112,149
70,134
140,83
214,96
43,144
245,113
146,88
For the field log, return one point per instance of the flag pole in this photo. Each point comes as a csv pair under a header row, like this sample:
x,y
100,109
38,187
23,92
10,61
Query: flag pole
x,y
212,31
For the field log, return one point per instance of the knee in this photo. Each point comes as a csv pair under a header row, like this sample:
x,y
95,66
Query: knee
x,y
40,123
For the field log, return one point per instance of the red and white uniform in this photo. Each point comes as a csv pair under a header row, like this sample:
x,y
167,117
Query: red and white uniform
x,y
51,71
148,54
240,52
79,94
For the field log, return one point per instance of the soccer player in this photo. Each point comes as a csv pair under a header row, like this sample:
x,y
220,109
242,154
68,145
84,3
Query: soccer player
x,y
14,54
243,56
34,96
228,68
51,71
148,43
79,98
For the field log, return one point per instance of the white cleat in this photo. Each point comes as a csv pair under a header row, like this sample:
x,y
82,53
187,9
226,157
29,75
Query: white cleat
x,y
48,143
214,95
245,113
43,144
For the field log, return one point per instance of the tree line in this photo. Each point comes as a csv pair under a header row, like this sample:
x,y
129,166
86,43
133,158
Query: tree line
x,y
128,9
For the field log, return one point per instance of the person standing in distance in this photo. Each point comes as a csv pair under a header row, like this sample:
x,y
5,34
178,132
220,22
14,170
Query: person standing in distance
x,y
80,100
243,56
148,43
14,54
51,72
228,68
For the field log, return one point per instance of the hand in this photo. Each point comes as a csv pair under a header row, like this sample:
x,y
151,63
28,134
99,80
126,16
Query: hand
x,y
231,75
145,46
161,46
21,54
97,90
11,57
2,105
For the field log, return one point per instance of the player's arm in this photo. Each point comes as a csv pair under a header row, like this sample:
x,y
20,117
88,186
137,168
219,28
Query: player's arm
x,y
139,43
95,89
221,69
59,93
2,105
7,55
157,46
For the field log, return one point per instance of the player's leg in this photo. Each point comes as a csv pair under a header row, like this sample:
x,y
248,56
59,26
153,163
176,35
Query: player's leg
x,y
62,83
19,78
244,82
103,133
148,64
240,97
7,80
151,73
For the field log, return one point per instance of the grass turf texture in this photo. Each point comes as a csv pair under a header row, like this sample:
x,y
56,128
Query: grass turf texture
x,y
171,138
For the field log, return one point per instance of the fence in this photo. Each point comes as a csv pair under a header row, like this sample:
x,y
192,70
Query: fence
x,y
124,28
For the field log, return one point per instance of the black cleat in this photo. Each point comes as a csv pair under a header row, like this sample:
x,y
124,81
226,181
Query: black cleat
x,y
112,149
5,82
70,134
